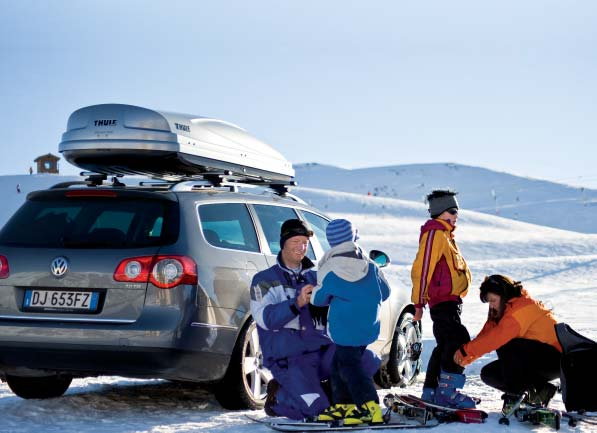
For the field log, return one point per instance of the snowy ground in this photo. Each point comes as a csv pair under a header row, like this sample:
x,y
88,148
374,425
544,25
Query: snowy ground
x,y
556,266
113,404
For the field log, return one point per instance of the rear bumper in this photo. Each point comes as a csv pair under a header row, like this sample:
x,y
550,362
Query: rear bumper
x,y
122,361
191,353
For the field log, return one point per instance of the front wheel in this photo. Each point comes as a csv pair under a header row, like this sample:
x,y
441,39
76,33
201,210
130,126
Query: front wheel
x,y
405,355
244,385
38,387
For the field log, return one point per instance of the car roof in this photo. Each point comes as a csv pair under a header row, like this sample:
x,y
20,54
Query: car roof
x,y
177,191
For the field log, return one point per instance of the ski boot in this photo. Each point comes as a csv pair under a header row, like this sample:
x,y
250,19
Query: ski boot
x,y
510,403
368,413
447,394
270,400
428,394
541,396
373,413
336,413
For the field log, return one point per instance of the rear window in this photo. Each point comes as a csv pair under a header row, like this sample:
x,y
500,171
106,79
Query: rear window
x,y
92,222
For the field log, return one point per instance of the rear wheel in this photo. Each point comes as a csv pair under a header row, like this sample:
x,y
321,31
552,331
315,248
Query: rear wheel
x,y
405,355
244,385
38,387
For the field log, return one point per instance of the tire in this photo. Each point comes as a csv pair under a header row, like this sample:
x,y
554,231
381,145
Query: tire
x,y
38,387
244,385
405,354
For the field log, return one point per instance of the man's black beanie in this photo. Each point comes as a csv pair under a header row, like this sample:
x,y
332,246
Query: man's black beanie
x,y
294,227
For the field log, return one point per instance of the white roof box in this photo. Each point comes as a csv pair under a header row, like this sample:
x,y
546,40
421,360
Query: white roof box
x,y
125,139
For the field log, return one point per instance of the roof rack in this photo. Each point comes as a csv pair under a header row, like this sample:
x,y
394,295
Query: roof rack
x,y
93,179
232,182
224,179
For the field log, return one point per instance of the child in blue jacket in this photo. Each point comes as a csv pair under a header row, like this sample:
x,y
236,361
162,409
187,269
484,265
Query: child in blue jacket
x,y
354,288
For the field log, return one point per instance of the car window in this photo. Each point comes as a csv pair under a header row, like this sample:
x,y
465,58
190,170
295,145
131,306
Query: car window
x,y
156,230
228,225
113,220
92,223
318,224
271,218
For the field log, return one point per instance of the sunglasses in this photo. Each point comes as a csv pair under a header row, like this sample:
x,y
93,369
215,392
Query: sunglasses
x,y
453,211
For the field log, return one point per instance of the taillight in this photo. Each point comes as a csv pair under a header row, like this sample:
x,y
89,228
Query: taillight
x,y
4,271
164,272
134,270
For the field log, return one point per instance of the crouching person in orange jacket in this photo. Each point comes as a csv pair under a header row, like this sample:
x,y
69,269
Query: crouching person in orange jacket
x,y
521,331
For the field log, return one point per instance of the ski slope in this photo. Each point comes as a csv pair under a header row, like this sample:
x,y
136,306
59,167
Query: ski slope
x,y
556,266
495,193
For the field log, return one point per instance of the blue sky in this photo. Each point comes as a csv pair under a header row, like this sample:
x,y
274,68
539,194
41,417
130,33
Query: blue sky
x,y
506,85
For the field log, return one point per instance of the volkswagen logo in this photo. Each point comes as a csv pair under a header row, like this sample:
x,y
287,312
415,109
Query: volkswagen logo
x,y
59,266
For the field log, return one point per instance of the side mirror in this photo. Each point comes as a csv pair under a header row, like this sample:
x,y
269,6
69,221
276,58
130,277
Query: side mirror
x,y
380,258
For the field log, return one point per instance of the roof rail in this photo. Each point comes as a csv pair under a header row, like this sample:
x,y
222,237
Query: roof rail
x,y
295,198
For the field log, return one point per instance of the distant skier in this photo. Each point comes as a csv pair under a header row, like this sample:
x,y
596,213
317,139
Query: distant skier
x,y
18,188
441,278
521,330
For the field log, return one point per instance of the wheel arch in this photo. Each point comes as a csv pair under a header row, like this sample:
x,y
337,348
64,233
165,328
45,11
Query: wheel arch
x,y
391,374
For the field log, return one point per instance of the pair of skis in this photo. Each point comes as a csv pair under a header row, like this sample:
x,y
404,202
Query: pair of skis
x,y
286,425
412,413
398,403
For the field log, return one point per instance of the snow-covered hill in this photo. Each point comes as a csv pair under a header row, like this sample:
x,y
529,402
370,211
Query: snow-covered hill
x,y
482,190
556,266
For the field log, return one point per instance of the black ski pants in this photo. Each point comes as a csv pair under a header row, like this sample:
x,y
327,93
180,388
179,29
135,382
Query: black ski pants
x,y
450,334
350,382
522,364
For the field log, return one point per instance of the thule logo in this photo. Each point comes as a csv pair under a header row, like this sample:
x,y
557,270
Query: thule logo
x,y
105,122
181,127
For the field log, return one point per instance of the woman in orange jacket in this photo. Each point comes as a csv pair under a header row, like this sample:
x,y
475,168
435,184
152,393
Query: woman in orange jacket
x,y
522,332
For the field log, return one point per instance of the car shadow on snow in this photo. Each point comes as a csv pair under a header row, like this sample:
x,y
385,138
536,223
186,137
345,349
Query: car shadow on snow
x,y
152,392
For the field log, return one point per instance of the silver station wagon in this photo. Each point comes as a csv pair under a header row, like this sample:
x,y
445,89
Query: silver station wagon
x,y
152,281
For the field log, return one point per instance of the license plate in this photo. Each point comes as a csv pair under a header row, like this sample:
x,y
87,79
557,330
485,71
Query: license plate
x,y
60,300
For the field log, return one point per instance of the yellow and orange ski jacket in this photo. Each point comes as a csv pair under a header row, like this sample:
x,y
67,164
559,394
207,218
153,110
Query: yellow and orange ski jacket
x,y
439,272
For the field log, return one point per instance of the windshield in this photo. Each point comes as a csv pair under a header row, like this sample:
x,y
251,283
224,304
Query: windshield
x,y
92,222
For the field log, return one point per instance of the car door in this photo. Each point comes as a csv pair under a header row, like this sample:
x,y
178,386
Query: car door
x,y
231,259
